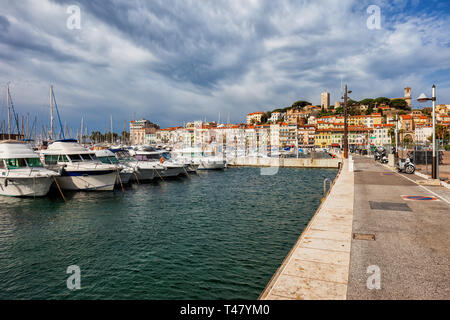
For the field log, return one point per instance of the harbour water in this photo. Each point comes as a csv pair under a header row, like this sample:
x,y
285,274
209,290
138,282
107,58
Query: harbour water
x,y
216,235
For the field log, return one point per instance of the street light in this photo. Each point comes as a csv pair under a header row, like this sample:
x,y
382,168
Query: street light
x,y
423,98
347,92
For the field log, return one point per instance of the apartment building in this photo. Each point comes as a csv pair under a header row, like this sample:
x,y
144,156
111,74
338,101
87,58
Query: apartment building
x,y
254,117
139,129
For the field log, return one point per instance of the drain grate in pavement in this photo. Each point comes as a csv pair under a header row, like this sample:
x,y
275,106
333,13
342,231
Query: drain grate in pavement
x,y
364,236
389,206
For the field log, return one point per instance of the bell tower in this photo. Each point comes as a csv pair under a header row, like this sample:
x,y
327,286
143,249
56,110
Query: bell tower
x,y
407,96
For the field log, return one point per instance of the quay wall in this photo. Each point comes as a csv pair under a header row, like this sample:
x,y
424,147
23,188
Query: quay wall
x,y
286,162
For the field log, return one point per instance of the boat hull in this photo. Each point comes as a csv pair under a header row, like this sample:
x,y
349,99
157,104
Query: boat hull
x,y
172,172
125,177
145,174
25,187
211,165
98,182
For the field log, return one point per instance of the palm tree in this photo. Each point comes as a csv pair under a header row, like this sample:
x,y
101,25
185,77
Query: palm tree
x,y
391,133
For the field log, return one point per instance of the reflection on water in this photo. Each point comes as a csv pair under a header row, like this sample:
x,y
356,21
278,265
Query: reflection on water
x,y
218,234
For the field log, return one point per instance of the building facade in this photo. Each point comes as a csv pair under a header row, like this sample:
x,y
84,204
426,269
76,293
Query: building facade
x,y
325,100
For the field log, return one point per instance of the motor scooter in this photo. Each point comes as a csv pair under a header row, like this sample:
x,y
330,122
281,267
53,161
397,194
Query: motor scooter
x,y
406,165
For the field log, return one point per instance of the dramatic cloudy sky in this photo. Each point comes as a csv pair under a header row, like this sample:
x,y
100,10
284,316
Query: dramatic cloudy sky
x,y
172,61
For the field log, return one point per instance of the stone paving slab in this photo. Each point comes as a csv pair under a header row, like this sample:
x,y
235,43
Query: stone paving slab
x,y
308,289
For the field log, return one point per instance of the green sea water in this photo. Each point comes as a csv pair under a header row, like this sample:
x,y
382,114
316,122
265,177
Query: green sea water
x,y
215,235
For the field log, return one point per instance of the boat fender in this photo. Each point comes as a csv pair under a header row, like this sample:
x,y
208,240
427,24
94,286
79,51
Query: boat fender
x,y
6,182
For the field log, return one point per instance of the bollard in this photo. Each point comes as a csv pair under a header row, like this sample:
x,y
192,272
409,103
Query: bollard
x,y
325,186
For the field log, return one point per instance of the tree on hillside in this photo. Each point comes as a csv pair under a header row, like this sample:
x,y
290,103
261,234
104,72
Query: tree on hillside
x,y
351,102
300,104
339,110
367,102
399,104
382,100
354,110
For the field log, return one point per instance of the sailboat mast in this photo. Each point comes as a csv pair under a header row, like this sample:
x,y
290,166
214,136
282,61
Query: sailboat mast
x,y
112,136
51,113
9,111
81,130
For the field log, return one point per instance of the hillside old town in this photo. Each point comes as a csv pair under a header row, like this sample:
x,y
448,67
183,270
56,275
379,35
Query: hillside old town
x,y
371,122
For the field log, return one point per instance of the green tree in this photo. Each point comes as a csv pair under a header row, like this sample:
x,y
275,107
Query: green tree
x,y
125,136
96,136
300,104
391,134
367,102
339,110
382,100
107,136
399,104
351,102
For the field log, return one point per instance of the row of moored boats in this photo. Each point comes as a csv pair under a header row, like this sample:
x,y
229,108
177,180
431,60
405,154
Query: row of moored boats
x,y
71,166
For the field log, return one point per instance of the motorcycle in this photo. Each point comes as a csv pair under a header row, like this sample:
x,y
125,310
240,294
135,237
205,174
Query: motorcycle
x,y
379,153
384,159
406,165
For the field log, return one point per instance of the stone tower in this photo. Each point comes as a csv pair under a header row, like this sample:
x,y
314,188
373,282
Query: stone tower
x,y
407,96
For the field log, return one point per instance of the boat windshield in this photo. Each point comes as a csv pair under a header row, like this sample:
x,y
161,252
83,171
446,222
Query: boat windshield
x,y
75,158
145,157
82,157
51,159
88,157
15,163
113,160
34,162
124,155
108,160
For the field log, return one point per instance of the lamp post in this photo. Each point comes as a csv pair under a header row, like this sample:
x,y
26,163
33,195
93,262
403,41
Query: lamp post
x,y
345,123
424,98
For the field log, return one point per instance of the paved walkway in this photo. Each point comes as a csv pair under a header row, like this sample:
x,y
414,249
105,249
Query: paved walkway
x,y
317,266
367,225
412,238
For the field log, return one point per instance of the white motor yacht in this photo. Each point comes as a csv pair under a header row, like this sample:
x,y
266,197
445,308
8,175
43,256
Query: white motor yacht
x,y
165,167
79,167
21,171
108,157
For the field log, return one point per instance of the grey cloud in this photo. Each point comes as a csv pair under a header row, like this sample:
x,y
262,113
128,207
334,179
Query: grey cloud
x,y
175,60
4,24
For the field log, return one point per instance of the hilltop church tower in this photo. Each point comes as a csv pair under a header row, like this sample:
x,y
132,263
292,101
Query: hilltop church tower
x,y
407,96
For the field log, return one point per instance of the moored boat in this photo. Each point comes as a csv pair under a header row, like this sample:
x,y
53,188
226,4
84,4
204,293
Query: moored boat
x,y
108,157
79,167
155,158
21,171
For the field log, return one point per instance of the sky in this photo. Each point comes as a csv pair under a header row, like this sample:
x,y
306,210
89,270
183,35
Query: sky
x,y
173,61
